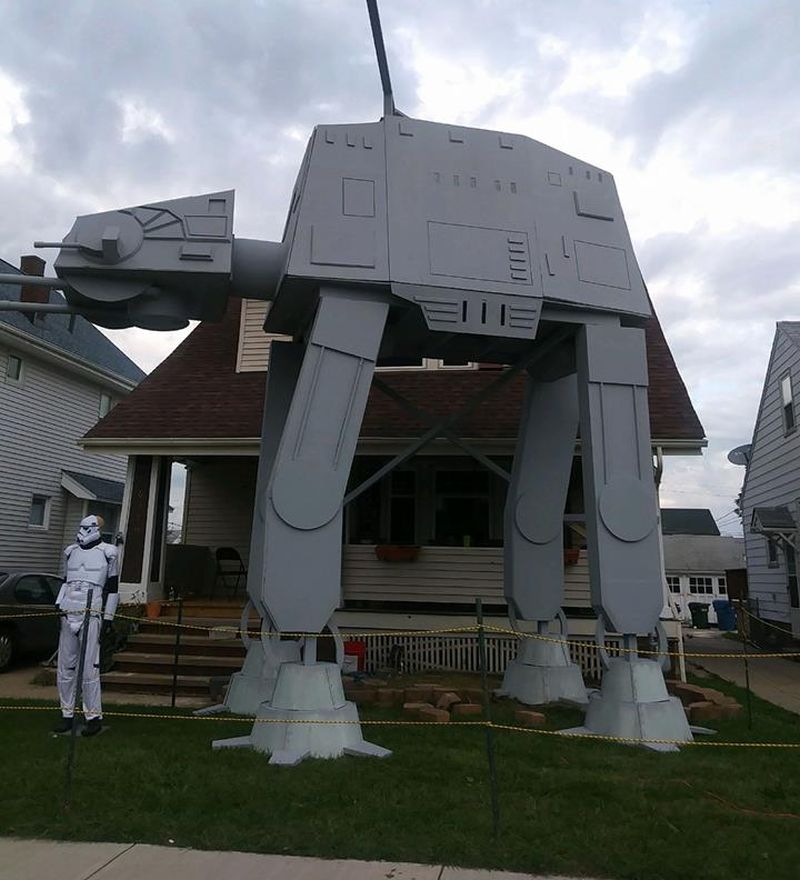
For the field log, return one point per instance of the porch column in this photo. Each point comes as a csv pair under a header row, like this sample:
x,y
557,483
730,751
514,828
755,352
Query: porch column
x,y
143,523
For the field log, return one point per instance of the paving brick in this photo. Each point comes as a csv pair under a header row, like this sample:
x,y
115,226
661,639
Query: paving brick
x,y
389,696
447,700
529,718
461,710
418,694
431,713
704,710
414,708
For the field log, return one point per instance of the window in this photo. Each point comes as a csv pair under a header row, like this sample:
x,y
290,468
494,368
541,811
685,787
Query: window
x,y
110,516
462,508
701,586
401,507
772,553
14,369
791,576
788,404
722,586
106,402
40,512
34,590
674,583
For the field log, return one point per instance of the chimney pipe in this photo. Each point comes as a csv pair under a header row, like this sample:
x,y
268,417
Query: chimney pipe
x,y
31,264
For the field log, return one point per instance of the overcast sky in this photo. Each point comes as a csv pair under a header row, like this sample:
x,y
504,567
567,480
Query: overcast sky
x,y
693,106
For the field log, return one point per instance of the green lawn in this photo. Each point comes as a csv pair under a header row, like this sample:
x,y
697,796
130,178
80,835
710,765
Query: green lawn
x,y
567,807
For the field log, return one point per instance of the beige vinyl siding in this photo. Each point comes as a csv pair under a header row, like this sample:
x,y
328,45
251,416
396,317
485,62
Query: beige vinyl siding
x,y
443,574
773,479
41,421
219,504
254,343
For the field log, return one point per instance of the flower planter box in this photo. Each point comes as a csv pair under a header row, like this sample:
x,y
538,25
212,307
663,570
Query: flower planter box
x,y
396,552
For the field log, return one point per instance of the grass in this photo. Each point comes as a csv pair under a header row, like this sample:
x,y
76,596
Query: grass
x,y
566,806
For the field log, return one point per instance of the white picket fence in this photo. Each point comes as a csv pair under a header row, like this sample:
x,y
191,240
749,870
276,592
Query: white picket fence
x,y
459,653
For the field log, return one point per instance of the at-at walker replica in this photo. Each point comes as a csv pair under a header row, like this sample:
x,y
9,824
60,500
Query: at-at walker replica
x,y
413,239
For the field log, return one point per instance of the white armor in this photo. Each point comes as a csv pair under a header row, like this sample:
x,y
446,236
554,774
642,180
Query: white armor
x,y
87,568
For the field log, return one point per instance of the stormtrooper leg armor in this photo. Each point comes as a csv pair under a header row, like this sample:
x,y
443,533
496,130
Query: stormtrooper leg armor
x,y
542,672
621,523
302,529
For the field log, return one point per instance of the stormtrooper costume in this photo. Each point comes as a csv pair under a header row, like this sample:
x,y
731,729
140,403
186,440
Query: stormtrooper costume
x,y
90,564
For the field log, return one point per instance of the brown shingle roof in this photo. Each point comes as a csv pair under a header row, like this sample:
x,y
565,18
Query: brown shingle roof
x,y
196,393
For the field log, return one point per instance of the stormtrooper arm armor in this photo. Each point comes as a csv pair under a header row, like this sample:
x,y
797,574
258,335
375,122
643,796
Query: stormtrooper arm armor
x,y
111,586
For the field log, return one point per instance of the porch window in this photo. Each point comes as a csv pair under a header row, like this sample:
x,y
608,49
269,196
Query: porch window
x,y
402,501
722,586
674,583
462,508
788,404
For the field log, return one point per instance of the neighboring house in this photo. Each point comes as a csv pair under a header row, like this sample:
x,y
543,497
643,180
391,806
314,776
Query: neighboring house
x,y
58,375
771,492
203,406
696,558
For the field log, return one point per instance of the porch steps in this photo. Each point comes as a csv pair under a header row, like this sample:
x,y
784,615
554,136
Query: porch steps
x,y
146,663
140,683
188,664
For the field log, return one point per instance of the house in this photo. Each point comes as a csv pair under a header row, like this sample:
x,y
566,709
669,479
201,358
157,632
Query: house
x,y
203,406
696,558
58,375
771,492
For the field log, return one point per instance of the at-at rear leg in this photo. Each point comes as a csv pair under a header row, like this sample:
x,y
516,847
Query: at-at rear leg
x,y
542,672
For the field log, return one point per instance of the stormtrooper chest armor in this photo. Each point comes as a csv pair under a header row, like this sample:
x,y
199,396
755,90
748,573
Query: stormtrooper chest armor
x,y
87,566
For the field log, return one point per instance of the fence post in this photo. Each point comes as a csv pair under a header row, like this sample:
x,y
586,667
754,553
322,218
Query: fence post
x,y
177,652
487,711
78,698
745,657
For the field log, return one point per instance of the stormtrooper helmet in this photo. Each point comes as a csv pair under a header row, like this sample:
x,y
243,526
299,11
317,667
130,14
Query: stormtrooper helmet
x,y
89,530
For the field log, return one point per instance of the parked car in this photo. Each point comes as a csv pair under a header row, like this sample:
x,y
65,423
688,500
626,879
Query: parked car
x,y
27,592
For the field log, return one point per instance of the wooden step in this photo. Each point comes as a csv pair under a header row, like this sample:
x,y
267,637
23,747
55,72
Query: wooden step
x,y
137,682
162,664
164,643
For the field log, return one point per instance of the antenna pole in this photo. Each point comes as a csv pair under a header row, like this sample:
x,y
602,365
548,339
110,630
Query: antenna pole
x,y
383,64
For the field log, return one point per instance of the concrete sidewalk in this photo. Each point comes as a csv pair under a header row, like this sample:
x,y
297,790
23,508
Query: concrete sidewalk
x,y
53,860
772,679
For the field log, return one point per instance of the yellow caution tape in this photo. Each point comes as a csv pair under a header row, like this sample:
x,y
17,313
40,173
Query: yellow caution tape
x,y
406,723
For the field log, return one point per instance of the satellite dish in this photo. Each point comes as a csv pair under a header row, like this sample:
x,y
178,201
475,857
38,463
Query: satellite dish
x,y
740,455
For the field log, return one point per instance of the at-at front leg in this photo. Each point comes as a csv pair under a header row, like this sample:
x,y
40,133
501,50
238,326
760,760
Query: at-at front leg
x,y
301,563
622,531
533,545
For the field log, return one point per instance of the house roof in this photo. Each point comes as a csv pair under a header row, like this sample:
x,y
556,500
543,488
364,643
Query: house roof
x,y
687,521
84,341
93,488
196,393
791,329
705,554
773,519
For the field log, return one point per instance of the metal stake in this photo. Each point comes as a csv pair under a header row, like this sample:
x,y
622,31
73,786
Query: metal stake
x,y
77,700
745,657
487,711
177,652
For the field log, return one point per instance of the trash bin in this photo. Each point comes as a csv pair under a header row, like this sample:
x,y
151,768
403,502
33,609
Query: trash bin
x,y
699,612
726,615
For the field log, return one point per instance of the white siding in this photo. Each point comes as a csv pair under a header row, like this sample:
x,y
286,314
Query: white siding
x,y
254,343
773,479
41,420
